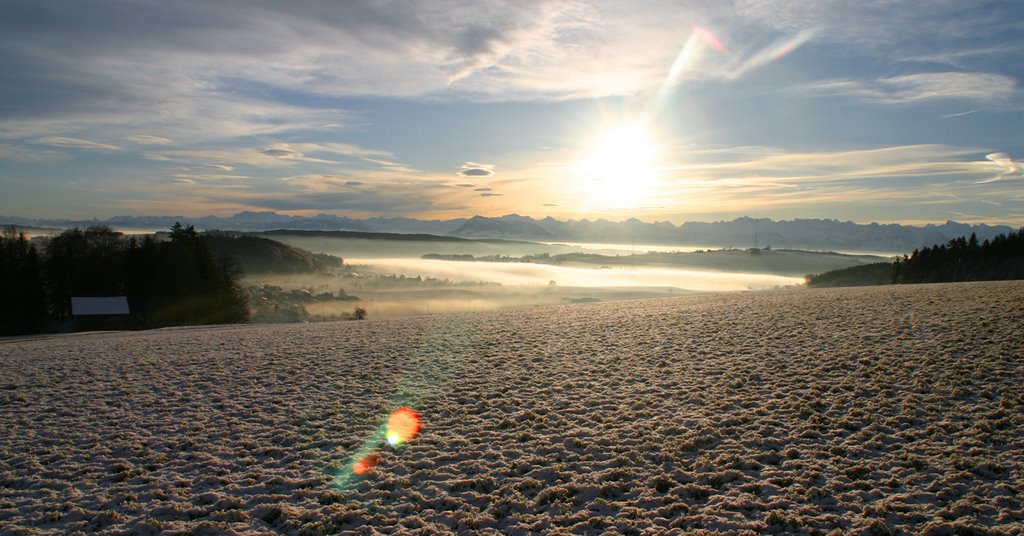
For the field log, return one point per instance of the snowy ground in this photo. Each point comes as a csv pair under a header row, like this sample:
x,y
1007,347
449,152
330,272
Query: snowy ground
x,y
874,410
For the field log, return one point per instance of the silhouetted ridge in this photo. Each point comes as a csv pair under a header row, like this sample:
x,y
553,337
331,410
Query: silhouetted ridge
x,y
258,255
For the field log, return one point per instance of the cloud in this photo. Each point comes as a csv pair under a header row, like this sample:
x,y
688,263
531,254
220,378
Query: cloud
x,y
30,155
145,139
317,182
960,114
301,152
962,58
473,169
1009,168
282,153
760,178
919,87
383,195
285,152
244,156
224,86
482,189
490,194
222,72
476,172
775,167
375,156
550,204
214,54
219,167
193,177
75,143
901,31
276,155
157,157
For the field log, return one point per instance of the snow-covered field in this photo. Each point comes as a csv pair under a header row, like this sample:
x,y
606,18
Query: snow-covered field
x,y
867,410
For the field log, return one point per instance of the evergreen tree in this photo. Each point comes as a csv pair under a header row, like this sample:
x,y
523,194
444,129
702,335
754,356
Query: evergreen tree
x,y
22,296
194,287
964,259
177,282
83,263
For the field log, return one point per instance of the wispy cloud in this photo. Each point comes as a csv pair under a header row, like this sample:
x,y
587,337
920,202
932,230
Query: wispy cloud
x,y
911,88
194,177
322,183
146,139
277,155
375,156
333,193
765,178
901,31
218,167
246,156
205,94
1007,168
962,57
30,155
960,114
284,152
75,143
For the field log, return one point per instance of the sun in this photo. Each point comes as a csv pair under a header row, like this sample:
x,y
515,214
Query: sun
x,y
619,171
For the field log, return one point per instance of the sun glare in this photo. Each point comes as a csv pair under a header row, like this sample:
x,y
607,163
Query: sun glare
x,y
619,171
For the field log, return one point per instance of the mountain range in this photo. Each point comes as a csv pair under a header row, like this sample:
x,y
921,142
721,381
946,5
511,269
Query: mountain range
x,y
744,232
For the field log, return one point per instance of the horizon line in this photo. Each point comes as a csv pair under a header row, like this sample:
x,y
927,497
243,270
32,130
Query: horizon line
x,y
186,219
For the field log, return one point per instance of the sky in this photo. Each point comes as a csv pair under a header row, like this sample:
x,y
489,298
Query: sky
x,y
870,111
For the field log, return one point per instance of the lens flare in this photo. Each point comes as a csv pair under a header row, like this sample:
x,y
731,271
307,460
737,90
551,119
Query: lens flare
x,y
708,38
775,51
368,462
403,425
699,39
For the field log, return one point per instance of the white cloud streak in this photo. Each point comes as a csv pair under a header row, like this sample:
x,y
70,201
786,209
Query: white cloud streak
x,y
75,143
763,178
145,139
919,87
1008,168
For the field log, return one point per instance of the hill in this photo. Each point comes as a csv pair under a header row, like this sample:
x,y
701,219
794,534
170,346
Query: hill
x,y
880,410
259,255
879,273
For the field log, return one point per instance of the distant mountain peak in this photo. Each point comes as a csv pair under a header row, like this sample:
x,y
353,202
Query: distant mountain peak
x,y
799,233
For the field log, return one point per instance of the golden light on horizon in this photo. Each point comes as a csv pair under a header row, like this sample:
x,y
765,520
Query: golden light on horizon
x,y
619,170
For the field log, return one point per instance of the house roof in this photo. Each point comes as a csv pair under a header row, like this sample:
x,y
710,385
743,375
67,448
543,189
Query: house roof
x,y
113,305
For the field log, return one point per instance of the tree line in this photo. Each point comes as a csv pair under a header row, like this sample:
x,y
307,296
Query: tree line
x,y
964,259
961,259
174,282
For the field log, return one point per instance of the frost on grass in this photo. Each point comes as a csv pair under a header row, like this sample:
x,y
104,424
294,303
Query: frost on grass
x,y
870,410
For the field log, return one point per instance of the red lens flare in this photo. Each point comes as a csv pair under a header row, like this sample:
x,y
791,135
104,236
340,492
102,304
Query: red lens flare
x,y
708,38
367,463
403,425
